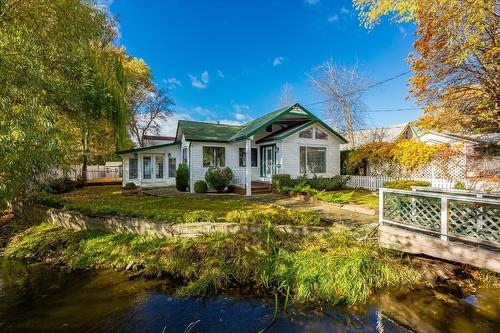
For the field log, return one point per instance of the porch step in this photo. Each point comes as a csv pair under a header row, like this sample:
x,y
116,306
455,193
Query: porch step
x,y
261,187
257,188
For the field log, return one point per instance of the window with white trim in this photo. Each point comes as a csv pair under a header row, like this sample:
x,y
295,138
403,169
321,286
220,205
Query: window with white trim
x,y
147,167
312,160
133,168
243,157
214,156
159,166
172,171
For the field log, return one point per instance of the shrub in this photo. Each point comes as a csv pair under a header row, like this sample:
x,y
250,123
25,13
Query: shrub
x,y
61,185
327,184
200,186
182,178
130,186
199,216
275,216
219,178
46,199
282,180
406,184
459,186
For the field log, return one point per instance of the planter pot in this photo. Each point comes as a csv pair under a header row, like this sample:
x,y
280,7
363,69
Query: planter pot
x,y
131,191
303,197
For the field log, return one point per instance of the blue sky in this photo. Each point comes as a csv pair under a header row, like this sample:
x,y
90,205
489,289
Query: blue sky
x,y
228,60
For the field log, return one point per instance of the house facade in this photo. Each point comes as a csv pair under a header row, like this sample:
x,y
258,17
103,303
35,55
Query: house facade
x,y
290,140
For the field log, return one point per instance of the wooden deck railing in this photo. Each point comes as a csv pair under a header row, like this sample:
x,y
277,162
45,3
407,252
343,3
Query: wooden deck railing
x,y
454,215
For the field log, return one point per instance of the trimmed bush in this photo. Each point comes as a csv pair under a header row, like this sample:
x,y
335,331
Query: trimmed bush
x,y
46,199
199,216
325,184
182,177
200,186
282,180
219,178
130,186
405,184
459,186
61,185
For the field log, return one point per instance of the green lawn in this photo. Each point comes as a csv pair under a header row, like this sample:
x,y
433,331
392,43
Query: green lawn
x,y
108,200
361,197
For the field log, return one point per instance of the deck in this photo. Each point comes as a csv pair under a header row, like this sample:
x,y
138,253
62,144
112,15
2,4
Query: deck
x,y
103,181
459,226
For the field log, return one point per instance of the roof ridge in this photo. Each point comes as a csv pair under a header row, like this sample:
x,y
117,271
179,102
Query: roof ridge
x,y
208,123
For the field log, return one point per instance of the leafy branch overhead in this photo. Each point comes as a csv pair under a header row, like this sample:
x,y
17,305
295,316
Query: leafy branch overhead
x,y
456,59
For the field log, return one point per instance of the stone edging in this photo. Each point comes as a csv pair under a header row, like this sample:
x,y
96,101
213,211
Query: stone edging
x,y
349,207
143,226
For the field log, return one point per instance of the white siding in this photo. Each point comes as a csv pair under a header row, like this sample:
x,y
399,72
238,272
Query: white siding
x,y
165,181
288,155
232,160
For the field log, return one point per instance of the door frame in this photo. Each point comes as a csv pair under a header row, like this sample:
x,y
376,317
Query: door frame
x,y
263,158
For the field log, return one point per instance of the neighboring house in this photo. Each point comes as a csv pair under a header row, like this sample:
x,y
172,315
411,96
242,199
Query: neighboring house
x,y
290,140
380,134
113,169
470,145
154,140
479,156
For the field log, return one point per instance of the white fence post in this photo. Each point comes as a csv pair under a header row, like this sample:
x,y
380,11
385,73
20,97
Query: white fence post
x,y
444,219
380,205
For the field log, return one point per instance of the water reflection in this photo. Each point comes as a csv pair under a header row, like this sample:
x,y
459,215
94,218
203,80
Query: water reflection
x,y
36,298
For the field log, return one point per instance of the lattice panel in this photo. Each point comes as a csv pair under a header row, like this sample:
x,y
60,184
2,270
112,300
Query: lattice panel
x,y
453,168
474,220
419,211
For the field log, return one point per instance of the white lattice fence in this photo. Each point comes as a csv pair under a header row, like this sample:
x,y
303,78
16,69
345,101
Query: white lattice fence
x,y
373,183
459,216
451,168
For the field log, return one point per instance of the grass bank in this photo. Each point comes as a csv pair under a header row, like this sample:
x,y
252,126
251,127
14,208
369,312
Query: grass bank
x,y
107,200
335,268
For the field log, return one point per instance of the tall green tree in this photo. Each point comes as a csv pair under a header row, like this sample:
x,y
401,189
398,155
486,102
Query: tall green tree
x,y
52,78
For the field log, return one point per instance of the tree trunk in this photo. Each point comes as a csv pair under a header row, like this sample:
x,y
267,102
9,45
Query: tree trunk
x,y
85,159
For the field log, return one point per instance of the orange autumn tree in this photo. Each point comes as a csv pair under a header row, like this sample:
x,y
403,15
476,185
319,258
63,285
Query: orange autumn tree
x,y
456,59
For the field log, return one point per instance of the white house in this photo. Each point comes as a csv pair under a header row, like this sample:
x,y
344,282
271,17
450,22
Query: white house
x,y
290,140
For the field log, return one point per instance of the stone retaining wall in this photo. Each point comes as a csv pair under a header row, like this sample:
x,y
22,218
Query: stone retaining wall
x,y
79,221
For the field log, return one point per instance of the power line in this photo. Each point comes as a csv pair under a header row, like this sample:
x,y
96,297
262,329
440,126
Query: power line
x,y
393,110
387,110
366,88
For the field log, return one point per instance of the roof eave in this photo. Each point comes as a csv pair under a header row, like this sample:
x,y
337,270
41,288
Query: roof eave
x,y
135,150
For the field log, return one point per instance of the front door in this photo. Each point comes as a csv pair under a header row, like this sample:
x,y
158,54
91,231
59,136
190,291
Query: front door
x,y
267,161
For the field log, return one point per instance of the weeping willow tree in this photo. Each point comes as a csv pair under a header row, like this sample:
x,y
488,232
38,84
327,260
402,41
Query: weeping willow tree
x,y
58,75
104,113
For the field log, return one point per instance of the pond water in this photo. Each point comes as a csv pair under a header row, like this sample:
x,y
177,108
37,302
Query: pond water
x,y
36,298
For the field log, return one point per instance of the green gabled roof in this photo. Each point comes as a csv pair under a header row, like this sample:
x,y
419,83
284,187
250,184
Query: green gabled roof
x,y
135,150
199,131
260,123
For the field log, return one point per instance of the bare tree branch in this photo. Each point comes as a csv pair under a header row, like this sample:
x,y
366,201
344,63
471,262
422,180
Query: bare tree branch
x,y
343,90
